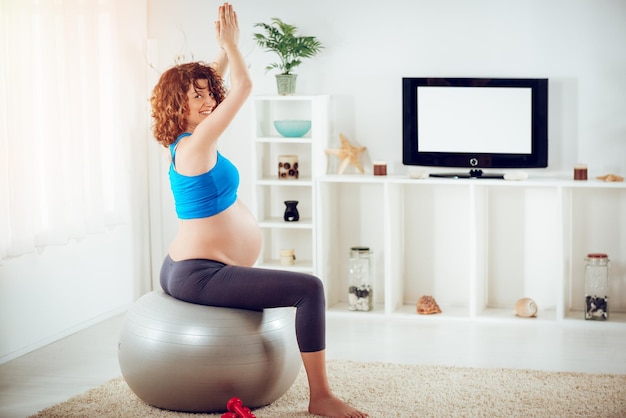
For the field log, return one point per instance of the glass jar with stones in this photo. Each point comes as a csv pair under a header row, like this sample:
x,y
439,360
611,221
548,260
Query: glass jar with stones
x,y
597,286
360,296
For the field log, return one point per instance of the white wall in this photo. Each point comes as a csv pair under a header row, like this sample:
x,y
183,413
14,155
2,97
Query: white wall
x,y
370,46
50,295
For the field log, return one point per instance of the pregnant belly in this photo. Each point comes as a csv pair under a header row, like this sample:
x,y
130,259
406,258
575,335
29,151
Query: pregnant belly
x,y
232,237
244,236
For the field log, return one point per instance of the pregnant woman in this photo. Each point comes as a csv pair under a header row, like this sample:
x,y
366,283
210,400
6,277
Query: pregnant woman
x,y
218,240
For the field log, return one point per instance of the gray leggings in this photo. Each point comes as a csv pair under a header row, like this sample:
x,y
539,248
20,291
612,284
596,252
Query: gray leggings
x,y
208,282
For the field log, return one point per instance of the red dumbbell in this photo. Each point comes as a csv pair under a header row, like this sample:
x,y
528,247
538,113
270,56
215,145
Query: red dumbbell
x,y
235,405
229,415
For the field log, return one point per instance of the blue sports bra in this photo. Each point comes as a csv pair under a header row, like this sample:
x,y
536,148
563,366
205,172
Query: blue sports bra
x,y
206,194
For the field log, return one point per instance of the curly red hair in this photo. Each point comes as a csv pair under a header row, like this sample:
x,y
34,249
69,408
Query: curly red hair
x,y
169,98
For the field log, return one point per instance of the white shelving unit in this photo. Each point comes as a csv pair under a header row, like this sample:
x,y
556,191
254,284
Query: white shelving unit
x,y
476,245
269,192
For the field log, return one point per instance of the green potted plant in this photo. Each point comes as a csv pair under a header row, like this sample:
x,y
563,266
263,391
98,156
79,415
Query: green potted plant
x,y
280,38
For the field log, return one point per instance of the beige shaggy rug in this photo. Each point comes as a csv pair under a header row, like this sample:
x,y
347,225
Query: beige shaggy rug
x,y
393,390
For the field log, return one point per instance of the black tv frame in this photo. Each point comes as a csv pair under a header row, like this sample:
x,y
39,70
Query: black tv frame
x,y
476,162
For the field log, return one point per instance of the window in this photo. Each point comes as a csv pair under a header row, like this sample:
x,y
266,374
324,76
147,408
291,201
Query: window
x,y
69,94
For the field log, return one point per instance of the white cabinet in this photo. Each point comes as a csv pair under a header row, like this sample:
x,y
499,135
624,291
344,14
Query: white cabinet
x,y
475,245
270,192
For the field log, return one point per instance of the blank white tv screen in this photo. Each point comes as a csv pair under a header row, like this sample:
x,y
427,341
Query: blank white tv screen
x,y
474,119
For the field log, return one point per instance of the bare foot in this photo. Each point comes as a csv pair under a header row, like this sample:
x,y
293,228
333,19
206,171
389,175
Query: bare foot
x,y
335,408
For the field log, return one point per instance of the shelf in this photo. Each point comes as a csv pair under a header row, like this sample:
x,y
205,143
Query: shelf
x,y
280,223
342,309
492,314
301,182
617,319
476,245
487,314
305,140
270,192
538,181
447,312
408,312
302,266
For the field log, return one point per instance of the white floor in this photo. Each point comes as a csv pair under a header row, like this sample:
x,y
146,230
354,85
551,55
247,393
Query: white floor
x,y
86,359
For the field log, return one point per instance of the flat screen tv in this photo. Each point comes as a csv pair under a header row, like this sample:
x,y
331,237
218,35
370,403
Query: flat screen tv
x,y
475,123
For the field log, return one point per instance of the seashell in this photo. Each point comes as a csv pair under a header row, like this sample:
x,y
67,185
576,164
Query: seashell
x,y
526,308
427,305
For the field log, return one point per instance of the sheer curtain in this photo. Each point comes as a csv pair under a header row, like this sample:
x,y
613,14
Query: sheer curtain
x,y
68,106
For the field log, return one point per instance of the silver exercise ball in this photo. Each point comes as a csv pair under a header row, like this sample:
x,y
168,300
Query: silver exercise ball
x,y
193,358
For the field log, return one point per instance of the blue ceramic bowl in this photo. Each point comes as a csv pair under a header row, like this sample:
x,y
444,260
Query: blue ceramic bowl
x,y
292,128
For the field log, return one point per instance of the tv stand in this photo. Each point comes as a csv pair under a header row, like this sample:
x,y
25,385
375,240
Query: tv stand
x,y
475,246
472,174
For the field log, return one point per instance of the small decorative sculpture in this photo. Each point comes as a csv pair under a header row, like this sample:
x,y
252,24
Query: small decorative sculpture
x,y
348,154
611,177
291,211
427,305
526,308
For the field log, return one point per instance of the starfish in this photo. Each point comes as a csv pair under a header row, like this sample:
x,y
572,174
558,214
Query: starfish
x,y
348,154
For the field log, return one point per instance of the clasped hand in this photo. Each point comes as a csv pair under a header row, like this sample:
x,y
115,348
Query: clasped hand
x,y
227,26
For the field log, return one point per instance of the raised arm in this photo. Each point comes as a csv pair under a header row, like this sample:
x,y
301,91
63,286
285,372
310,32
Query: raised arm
x,y
202,143
220,62
227,34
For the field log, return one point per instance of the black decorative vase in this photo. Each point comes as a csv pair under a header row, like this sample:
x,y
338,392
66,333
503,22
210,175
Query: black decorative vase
x,y
291,211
